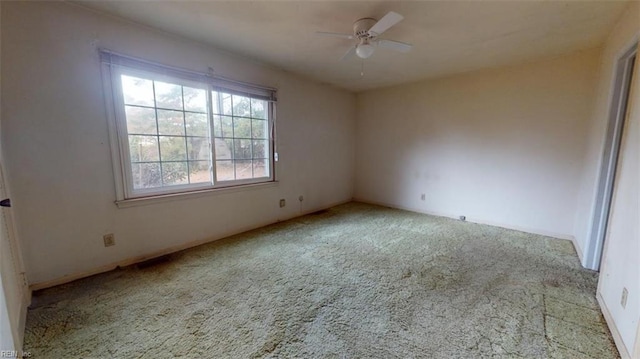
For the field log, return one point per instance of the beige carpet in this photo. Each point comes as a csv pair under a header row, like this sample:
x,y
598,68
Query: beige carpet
x,y
356,281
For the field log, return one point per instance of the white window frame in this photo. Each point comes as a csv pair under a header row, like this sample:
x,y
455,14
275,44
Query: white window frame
x,y
115,65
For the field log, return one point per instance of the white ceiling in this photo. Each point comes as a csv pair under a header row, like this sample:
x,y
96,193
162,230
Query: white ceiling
x,y
448,36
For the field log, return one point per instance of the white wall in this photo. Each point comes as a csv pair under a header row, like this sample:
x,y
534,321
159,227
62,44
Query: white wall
x,y
619,266
56,142
500,146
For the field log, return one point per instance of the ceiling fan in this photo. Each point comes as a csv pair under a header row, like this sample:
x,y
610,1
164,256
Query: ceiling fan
x,y
366,32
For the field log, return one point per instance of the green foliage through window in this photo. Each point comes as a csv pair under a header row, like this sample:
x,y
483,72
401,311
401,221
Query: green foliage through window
x,y
172,141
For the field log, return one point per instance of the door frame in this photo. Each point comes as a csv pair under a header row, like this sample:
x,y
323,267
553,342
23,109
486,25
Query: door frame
x,y
15,282
604,193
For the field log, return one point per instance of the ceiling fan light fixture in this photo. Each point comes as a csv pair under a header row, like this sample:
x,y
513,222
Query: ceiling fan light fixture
x,y
367,31
364,49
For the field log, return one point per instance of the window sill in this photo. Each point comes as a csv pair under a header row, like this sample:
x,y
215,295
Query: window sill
x,y
143,201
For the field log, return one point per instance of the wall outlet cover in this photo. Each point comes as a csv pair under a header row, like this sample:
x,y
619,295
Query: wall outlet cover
x,y
282,203
109,240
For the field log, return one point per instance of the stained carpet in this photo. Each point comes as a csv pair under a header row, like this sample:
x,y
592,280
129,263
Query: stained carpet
x,y
355,281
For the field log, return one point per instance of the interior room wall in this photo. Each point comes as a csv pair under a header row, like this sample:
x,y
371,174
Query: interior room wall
x,y
500,146
56,143
619,265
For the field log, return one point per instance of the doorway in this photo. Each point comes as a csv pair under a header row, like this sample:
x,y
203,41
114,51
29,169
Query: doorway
x,y
604,194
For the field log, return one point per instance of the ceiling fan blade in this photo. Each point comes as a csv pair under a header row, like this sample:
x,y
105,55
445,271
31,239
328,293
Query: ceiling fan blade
x,y
390,19
349,53
335,34
395,45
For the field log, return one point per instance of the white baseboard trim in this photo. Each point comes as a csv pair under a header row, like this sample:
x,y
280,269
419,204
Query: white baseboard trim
x,y
137,259
576,247
472,220
617,338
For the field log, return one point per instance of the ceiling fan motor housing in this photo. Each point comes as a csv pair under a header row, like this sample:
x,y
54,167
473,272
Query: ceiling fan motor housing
x,y
361,28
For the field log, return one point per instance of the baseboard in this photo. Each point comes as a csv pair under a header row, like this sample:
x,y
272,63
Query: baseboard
x,y
617,338
576,247
137,259
473,220
320,208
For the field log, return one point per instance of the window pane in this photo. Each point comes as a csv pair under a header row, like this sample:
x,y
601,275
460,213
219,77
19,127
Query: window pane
x,y
174,173
259,128
217,126
199,172
173,148
242,149
198,148
224,170
224,149
168,95
195,99
241,127
170,122
259,109
227,126
244,169
260,149
146,175
141,120
137,91
143,148
260,168
197,124
241,106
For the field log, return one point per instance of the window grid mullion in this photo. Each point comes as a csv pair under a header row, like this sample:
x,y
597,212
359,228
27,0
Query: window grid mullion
x,y
231,149
212,141
162,108
251,135
170,161
155,108
186,144
233,135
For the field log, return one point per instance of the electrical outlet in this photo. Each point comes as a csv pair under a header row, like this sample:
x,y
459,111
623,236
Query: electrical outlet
x,y
282,203
423,197
301,198
623,300
109,240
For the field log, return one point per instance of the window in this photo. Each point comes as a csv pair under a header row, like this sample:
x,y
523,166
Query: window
x,y
180,131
